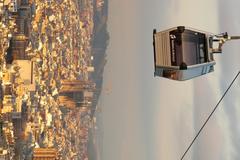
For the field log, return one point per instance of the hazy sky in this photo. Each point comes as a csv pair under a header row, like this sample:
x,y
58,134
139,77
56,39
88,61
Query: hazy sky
x,y
150,118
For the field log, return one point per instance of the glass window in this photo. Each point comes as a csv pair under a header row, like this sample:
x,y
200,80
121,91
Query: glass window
x,y
189,47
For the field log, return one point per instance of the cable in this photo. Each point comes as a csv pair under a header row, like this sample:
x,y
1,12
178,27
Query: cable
x,y
210,116
235,37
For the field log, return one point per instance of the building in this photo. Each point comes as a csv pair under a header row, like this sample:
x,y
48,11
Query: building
x,y
24,18
8,99
1,95
68,86
7,104
7,92
76,93
13,6
26,72
4,155
17,48
7,77
45,154
8,133
19,41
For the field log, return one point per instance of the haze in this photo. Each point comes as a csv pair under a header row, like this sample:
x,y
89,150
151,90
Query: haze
x,y
149,118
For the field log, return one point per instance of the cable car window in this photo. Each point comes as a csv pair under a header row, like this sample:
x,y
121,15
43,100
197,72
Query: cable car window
x,y
189,47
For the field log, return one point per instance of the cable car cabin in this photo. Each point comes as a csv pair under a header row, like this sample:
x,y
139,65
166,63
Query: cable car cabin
x,y
181,53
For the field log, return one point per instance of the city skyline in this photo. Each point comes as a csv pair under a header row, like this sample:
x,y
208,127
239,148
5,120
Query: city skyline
x,y
50,78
